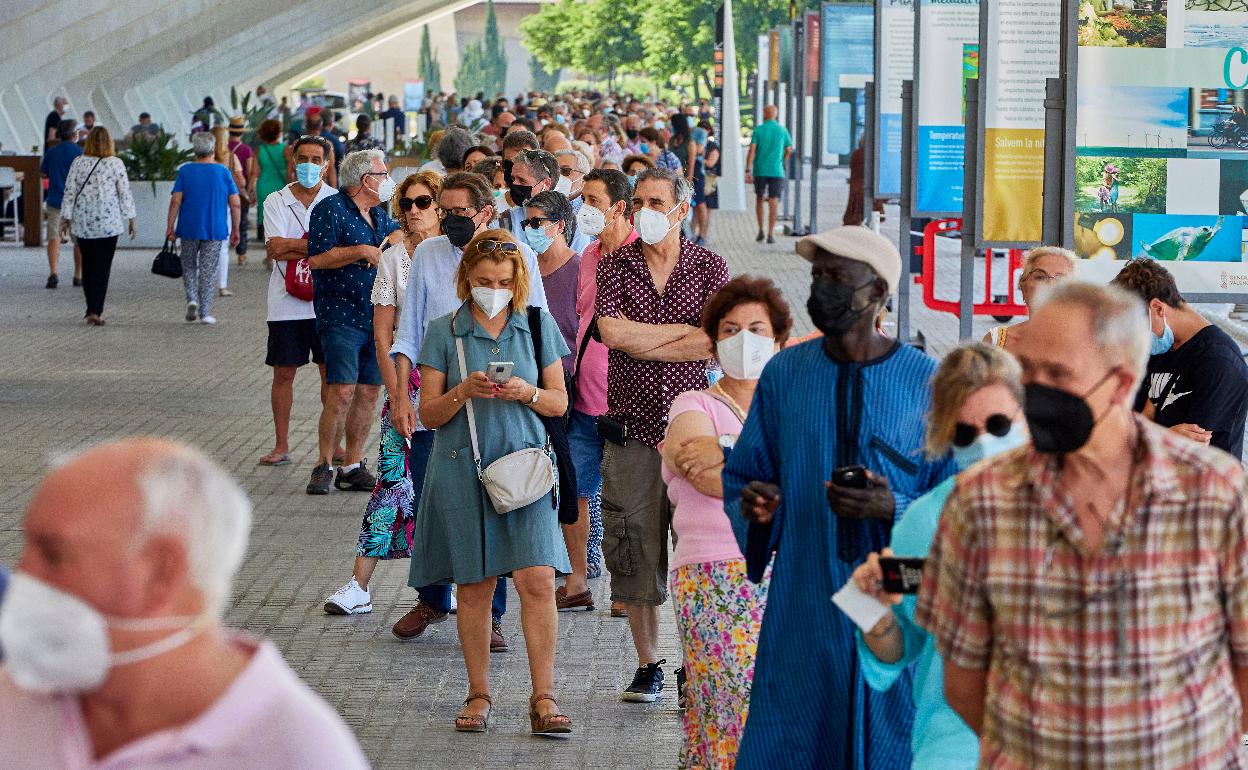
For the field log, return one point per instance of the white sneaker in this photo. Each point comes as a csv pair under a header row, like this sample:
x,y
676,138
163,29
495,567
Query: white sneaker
x,y
208,320
454,602
349,600
192,311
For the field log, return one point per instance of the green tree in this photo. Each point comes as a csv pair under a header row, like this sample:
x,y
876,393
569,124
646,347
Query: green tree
x,y
551,34
470,78
429,68
609,39
494,76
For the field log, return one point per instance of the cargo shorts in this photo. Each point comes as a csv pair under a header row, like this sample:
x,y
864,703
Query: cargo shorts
x,y
636,517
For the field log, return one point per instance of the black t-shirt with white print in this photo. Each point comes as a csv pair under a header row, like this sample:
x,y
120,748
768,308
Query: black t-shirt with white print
x,y
1204,382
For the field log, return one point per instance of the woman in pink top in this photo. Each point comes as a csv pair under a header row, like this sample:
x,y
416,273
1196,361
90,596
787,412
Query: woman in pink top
x,y
718,608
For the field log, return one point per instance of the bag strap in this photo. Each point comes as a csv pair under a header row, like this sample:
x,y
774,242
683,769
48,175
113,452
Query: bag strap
x,y
90,174
535,331
590,331
463,376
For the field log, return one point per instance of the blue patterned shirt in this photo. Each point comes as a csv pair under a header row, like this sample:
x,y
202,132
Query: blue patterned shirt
x,y
342,296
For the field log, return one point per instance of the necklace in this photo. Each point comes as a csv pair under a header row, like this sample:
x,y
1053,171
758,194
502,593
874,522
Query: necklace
x,y
732,402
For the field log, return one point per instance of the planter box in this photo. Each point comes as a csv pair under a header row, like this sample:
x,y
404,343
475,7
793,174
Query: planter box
x,y
151,211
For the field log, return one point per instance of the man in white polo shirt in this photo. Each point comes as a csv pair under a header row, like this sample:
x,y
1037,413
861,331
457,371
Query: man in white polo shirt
x,y
292,319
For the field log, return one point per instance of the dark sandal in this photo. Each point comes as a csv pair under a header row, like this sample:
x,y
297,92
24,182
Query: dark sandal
x,y
551,724
473,723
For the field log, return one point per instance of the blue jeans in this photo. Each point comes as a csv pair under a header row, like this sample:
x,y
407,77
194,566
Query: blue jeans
x,y
439,596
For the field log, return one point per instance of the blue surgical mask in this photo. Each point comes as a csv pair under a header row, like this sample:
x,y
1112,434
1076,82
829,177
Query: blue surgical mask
x,y
632,180
987,445
308,174
644,148
659,125
1163,343
537,238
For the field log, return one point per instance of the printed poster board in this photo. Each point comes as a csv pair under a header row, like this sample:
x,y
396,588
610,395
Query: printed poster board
x,y
1161,139
895,63
947,32
848,60
1020,45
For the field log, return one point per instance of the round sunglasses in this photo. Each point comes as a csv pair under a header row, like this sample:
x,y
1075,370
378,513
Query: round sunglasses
x,y
964,434
421,202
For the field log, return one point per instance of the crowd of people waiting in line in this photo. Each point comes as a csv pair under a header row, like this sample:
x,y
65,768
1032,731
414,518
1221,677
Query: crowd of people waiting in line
x,y
571,382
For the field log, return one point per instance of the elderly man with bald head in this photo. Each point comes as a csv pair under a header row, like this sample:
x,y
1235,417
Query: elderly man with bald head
x,y
115,653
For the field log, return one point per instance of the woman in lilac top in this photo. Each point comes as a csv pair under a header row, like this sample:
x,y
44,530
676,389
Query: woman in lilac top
x,y
719,609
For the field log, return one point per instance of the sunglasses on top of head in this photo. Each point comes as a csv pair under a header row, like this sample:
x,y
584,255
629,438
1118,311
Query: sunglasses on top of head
x,y
964,434
491,245
421,202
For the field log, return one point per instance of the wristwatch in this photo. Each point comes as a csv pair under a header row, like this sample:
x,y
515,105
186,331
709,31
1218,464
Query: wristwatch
x,y
727,441
537,393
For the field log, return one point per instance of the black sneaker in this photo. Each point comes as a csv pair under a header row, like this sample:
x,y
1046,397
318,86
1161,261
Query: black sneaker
x,y
759,237
647,684
53,282
682,696
322,477
77,282
356,480
771,239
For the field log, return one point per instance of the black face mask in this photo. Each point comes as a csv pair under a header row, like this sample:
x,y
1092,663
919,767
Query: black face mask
x,y
459,229
831,306
631,133
520,193
507,179
1060,422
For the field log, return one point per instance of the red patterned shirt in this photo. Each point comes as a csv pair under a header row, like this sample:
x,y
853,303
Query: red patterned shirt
x,y
641,392
1121,658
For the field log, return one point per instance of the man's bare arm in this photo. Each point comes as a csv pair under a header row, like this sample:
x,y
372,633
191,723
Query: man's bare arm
x,y
342,255
635,338
694,346
277,248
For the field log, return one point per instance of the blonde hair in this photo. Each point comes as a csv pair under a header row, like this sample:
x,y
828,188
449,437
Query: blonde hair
x,y
474,255
222,152
99,144
965,370
430,179
1033,256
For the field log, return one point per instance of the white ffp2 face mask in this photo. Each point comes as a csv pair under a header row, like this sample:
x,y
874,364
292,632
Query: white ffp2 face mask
x,y
744,354
652,226
590,220
564,185
491,301
54,642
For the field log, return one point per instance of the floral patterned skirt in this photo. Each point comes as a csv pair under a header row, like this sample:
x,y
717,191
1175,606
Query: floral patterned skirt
x,y
390,516
720,612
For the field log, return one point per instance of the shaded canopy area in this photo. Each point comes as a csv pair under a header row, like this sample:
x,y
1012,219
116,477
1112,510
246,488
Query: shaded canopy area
x,y
122,57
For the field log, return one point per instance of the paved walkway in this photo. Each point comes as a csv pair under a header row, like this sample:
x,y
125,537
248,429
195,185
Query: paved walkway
x,y
63,384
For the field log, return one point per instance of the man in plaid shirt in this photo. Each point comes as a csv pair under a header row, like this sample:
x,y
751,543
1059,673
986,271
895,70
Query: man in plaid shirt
x,y
1089,593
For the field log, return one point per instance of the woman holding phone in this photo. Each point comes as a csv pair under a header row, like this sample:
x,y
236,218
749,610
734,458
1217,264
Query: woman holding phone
x,y
459,535
977,411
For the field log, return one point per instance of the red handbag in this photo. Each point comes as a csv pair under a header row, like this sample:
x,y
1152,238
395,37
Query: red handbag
x,y
299,278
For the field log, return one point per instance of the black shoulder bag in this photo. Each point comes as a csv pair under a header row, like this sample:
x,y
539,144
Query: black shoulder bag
x,y
557,430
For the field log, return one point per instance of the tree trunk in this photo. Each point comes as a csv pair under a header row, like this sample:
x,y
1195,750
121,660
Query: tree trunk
x,y
696,93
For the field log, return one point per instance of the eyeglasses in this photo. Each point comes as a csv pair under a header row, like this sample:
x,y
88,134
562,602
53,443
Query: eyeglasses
x,y
536,222
459,211
421,202
376,173
489,246
1043,278
964,434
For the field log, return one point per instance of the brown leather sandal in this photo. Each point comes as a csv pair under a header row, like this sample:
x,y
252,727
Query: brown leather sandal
x,y
551,724
473,723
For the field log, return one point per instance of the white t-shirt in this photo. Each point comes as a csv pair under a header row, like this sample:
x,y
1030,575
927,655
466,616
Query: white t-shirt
x,y
285,217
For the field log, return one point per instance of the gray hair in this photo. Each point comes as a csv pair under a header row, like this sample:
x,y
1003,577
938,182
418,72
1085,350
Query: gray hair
x,y
1034,255
356,164
582,163
203,144
556,206
451,147
682,191
188,496
1120,327
541,163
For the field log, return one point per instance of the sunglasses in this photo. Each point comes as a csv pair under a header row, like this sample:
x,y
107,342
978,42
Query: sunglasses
x,y
421,202
491,246
965,434
536,222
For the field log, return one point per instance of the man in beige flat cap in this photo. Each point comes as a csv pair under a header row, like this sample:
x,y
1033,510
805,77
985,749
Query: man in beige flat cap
x,y
851,398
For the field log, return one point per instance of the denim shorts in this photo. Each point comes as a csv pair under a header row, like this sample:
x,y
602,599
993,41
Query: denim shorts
x,y
350,356
586,453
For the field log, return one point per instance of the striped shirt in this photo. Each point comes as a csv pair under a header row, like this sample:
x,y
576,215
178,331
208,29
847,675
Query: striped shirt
x,y
1120,658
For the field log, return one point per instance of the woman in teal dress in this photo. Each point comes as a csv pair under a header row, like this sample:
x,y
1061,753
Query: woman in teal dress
x,y
976,408
459,536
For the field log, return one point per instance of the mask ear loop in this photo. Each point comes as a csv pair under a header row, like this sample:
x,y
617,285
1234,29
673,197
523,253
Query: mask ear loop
x,y
190,626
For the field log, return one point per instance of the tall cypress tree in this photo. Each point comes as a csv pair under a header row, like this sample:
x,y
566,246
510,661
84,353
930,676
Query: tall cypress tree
x,y
494,74
428,67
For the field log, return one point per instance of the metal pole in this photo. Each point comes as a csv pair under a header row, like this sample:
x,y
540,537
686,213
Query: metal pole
x,y
970,182
1054,160
816,152
868,154
786,212
732,157
799,119
903,233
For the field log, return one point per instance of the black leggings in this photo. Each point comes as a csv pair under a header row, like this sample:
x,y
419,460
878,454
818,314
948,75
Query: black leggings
x,y
97,264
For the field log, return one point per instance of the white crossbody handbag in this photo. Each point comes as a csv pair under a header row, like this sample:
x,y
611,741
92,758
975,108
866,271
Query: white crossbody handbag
x,y
513,480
